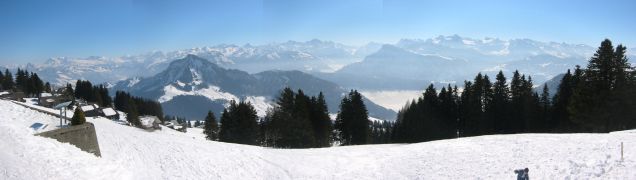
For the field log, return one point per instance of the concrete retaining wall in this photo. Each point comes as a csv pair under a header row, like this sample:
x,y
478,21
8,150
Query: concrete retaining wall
x,y
82,136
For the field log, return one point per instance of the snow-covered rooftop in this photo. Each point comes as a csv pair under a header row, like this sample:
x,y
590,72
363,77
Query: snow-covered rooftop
x,y
109,111
87,108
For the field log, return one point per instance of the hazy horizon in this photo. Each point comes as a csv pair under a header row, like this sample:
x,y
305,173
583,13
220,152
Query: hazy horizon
x,y
34,31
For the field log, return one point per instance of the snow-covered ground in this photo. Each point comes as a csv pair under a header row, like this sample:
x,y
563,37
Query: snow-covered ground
x,y
131,153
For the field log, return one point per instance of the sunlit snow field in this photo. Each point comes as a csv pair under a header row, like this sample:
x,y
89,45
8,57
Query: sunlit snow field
x,y
131,153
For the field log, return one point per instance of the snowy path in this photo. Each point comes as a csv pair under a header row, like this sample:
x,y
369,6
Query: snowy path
x,y
131,153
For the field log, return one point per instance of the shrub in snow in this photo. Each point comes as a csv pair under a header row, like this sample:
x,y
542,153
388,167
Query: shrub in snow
x,y
78,117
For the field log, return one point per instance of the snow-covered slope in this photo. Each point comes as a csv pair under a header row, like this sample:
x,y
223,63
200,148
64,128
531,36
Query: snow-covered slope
x,y
131,153
25,156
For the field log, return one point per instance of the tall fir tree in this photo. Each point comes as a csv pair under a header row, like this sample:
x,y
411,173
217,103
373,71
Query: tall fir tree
x,y
8,82
517,102
132,115
297,121
600,98
210,127
303,130
560,101
21,80
321,122
2,82
239,124
448,99
352,122
35,85
548,124
430,125
500,106
466,111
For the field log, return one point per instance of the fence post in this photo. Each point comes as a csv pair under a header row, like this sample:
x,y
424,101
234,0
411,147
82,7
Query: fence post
x,y
621,151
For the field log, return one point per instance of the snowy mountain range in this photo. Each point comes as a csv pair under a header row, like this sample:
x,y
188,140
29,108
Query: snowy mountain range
x,y
191,86
407,64
414,63
310,56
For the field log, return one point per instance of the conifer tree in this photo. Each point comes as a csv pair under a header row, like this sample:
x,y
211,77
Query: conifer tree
x,y
430,123
321,122
47,87
560,101
548,124
466,111
2,82
448,112
21,80
132,115
303,130
210,127
78,117
473,107
7,82
280,121
500,107
518,99
352,122
600,98
239,124
297,121
487,124
35,85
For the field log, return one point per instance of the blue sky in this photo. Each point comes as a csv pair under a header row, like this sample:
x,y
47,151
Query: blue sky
x,y
31,31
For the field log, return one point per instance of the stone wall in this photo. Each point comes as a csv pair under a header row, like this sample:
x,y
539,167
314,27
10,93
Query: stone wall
x,y
82,136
